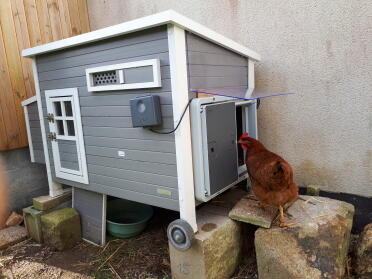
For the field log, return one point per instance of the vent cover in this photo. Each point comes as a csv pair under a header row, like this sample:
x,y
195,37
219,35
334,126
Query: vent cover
x,y
105,78
124,76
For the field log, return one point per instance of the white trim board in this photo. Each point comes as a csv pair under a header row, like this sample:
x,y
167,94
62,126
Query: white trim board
x,y
55,188
180,97
29,101
166,17
29,138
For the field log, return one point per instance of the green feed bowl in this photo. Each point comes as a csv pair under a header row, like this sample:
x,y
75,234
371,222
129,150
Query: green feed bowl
x,y
126,219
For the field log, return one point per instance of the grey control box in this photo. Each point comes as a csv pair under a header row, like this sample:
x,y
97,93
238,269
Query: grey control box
x,y
146,111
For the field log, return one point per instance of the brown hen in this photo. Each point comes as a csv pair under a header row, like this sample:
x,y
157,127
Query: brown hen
x,y
271,176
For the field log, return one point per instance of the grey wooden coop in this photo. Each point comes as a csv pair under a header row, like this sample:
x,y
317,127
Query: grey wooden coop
x,y
104,98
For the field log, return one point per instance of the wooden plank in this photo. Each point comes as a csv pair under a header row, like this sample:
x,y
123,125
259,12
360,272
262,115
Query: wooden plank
x,y
166,111
155,168
74,17
134,155
44,22
134,144
54,18
130,39
3,134
83,16
20,24
64,14
32,22
14,68
137,176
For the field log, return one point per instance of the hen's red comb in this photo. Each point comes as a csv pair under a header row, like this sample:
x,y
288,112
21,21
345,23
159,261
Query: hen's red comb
x,y
244,136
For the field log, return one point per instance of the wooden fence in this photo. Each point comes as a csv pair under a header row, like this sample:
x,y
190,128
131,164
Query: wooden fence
x,y
24,24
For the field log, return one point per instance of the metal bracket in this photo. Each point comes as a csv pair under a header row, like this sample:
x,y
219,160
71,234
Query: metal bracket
x,y
52,136
50,117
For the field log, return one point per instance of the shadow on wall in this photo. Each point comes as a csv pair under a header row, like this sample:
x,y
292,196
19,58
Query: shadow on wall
x,y
26,180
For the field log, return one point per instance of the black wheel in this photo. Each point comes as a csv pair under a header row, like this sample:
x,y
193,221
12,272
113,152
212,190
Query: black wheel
x,y
180,234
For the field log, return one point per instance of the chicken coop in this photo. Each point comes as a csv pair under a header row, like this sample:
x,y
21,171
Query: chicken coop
x,y
123,112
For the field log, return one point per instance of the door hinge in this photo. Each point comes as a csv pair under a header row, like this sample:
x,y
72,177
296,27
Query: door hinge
x,y
52,136
50,117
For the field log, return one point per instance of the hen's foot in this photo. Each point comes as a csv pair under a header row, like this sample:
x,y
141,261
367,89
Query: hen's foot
x,y
282,223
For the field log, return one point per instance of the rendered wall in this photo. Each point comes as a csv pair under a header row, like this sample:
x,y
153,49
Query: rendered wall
x,y
318,49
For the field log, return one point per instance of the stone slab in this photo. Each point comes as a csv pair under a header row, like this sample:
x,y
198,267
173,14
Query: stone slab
x,y
249,210
216,251
61,228
364,253
11,236
314,247
14,220
47,202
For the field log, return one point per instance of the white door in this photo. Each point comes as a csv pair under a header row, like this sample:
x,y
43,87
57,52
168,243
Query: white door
x,y
66,134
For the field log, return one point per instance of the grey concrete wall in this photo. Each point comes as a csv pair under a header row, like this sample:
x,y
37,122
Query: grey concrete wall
x,y
26,180
318,49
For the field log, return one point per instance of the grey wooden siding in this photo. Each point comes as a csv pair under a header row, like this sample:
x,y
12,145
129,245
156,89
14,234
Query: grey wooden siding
x,y
37,141
211,66
150,163
90,206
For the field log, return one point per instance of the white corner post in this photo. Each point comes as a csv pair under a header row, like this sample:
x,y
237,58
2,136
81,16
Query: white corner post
x,y
251,86
55,188
180,98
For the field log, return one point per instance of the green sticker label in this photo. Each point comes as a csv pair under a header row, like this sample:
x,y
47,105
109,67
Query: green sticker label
x,y
164,192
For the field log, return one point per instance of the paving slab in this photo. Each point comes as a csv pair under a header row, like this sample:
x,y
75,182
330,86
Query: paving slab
x,y
11,236
249,210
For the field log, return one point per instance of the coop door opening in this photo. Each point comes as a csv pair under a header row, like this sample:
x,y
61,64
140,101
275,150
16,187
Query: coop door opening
x,y
66,134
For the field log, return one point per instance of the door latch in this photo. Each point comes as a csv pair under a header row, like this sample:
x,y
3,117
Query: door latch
x,y
52,136
50,117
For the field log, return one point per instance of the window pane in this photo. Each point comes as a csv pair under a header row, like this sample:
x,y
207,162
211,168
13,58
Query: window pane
x,y
70,127
68,108
60,130
57,108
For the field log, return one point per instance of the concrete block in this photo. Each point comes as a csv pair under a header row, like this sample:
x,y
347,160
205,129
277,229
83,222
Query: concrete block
x,y
364,253
314,247
11,236
48,202
313,190
250,211
61,228
32,218
215,253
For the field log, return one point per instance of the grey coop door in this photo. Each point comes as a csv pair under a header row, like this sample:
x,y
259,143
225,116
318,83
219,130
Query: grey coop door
x,y
220,127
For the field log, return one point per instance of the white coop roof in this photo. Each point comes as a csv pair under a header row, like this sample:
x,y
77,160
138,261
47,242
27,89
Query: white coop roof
x,y
166,17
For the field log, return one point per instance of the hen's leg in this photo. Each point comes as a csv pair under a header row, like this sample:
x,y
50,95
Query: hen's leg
x,y
281,218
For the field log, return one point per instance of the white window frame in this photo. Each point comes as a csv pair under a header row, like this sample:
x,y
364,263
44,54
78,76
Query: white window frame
x,y
68,174
155,63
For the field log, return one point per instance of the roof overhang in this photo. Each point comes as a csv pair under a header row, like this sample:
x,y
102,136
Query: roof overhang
x,y
166,17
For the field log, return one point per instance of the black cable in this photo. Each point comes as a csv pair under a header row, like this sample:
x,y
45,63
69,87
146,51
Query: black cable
x,y
178,124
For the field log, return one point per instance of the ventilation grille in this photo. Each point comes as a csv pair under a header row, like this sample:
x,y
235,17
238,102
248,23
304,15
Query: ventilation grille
x,y
105,78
